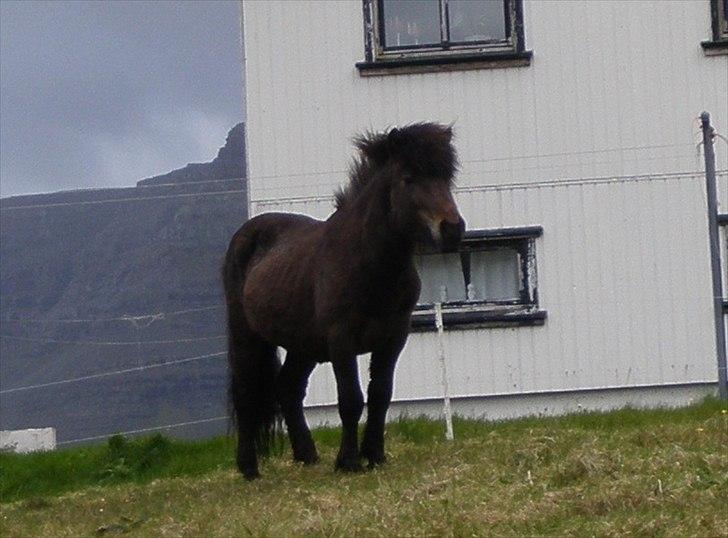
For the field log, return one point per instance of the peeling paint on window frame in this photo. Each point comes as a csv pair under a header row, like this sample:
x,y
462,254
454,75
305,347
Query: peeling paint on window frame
x,y
493,313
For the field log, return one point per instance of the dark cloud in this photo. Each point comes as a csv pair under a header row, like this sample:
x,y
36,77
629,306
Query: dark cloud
x,y
94,94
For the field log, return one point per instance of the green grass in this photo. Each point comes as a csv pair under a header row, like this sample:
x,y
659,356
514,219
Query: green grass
x,y
118,461
629,472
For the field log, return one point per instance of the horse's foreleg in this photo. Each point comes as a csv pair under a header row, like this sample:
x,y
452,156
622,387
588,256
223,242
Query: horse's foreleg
x,y
379,395
351,404
291,387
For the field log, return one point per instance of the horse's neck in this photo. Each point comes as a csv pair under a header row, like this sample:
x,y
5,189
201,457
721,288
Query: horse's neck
x,y
383,248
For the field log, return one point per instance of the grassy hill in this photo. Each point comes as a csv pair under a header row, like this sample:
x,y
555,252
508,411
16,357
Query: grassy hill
x,y
625,473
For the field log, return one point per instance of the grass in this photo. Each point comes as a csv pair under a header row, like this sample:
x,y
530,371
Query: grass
x,y
625,473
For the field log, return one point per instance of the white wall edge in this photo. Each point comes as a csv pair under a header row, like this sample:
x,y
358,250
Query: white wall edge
x,y
510,406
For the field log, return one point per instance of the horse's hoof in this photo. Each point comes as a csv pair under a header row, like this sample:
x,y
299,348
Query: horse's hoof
x,y
375,461
249,472
349,466
308,459
374,456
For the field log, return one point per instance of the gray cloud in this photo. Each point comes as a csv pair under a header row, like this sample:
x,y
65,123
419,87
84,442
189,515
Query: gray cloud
x,y
95,94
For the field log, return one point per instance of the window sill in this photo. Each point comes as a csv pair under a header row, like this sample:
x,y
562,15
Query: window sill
x,y
491,60
425,321
715,48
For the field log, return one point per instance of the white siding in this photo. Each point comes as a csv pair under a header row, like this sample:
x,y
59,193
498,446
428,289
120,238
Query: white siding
x,y
618,97
595,141
623,272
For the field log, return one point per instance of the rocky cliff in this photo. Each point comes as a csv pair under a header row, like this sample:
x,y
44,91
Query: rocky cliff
x,y
103,280
227,164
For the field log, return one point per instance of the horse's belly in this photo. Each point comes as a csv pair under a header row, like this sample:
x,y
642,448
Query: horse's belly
x,y
376,330
276,307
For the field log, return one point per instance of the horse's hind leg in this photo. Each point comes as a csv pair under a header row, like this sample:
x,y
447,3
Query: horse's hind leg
x,y
291,390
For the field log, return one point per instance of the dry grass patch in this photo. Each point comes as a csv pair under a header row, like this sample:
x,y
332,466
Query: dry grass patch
x,y
631,473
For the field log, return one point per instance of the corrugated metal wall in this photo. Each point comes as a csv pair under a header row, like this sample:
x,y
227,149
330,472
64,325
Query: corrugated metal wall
x,y
595,141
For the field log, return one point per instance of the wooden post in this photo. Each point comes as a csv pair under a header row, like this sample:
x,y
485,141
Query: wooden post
x,y
443,369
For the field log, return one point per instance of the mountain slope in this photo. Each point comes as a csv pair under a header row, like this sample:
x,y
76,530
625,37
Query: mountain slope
x,y
72,264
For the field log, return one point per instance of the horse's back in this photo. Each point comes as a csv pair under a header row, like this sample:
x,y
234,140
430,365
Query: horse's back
x,y
270,226
259,234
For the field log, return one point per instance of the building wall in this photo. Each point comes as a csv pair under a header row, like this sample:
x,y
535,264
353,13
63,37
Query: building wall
x,y
595,141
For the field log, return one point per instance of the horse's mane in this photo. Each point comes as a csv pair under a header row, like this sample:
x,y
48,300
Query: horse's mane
x,y
423,150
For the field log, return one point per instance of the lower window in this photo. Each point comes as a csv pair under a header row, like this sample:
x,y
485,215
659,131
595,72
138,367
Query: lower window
x,y
490,281
719,18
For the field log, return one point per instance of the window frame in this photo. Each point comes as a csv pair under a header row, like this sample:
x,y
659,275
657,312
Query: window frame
x,y
380,59
524,311
719,29
722,221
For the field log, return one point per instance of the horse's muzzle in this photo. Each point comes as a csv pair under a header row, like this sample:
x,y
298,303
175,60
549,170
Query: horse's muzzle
x,y
450,234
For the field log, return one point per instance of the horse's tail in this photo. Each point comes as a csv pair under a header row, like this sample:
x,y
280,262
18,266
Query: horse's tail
x,y
253,363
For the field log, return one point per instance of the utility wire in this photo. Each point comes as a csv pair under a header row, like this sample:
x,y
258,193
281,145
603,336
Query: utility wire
x,y
113,372
518,185
331,172
185,184
97,343
143,430
115,200
140,318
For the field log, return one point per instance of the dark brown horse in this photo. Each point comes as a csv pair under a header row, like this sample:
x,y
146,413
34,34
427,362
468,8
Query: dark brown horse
x,y
331,290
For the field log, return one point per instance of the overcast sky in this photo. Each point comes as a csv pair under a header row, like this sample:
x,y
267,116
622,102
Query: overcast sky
x,y
98,94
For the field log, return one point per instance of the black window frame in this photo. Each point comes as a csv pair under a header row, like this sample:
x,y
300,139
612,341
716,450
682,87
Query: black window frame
x,y
719,29
523,311
723,231
381,59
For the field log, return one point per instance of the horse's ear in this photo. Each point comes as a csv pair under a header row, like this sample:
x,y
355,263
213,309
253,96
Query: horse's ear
x,y
448,133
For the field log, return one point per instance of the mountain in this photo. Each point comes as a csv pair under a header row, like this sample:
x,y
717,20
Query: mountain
x,y
96,281
226,165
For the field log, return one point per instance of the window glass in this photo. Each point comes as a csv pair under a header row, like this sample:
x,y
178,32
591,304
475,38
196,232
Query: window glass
x,y
479,275
495,275
411,22
476,20
437,270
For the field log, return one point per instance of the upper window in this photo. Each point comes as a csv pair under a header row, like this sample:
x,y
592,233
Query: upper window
x,y
719,24
491,279
408,24
442,31
721,13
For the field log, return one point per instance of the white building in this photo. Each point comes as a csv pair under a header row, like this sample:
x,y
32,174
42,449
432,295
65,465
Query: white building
x,y
576,125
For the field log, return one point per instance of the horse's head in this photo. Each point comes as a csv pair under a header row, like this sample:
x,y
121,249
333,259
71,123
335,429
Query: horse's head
x,y
419,163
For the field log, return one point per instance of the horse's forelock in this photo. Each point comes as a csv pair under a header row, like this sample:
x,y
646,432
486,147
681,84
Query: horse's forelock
x,y
425,149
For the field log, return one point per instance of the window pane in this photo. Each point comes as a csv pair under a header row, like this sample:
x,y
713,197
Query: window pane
x,y
438,270
495,275
411,22
476,20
